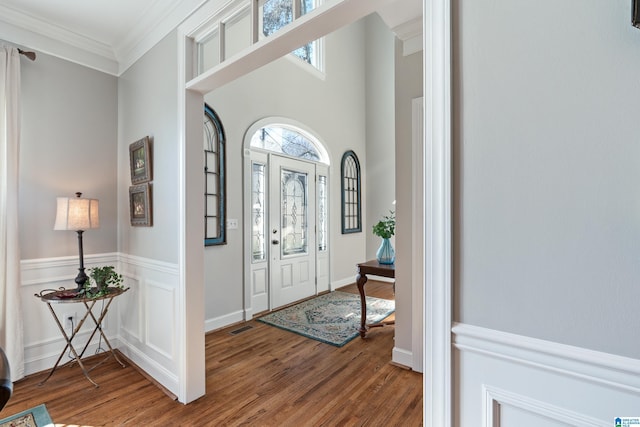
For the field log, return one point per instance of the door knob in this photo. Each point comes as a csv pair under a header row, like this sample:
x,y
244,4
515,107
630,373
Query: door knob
x,y
275,241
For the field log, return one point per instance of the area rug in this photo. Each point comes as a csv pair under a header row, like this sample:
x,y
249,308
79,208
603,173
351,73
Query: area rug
x,y
34,417
332,318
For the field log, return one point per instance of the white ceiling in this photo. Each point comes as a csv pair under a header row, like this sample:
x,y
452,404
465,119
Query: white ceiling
x,y
110,35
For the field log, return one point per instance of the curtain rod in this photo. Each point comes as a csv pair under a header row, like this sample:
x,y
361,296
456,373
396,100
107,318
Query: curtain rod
x,y
30,55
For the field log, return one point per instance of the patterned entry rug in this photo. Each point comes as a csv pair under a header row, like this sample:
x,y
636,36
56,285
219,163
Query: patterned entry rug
x,y
332,318
34,417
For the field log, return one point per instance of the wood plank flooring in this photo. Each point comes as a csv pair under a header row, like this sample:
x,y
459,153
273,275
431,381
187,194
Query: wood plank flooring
x,y
262,376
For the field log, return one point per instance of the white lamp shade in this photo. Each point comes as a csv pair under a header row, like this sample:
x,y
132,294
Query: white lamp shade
x,y
75,213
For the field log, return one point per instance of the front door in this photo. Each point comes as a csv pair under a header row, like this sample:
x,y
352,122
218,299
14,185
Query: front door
x,y
292,230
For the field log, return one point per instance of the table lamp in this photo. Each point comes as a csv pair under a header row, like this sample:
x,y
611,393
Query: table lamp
x,y
77,214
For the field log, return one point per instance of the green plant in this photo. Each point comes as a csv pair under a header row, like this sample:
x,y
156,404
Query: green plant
x,y
103,278
386,227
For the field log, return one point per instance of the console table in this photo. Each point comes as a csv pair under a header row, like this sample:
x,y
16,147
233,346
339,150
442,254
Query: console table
x,y
70,296
373,268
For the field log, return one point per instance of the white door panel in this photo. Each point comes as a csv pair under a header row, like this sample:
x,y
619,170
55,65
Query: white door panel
x,y
292,222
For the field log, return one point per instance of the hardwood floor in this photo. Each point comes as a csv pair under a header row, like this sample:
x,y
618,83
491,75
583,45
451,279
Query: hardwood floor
x,y
262,376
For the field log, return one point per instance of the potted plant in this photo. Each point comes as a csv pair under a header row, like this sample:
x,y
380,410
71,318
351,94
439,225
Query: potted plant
x,y
103,278
385,229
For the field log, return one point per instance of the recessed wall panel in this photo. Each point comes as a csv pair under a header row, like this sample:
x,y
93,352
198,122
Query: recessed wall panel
x,y
161,319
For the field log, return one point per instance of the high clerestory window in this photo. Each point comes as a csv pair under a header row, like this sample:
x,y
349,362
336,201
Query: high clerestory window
x,y
278,13
238,25
214,179
351,198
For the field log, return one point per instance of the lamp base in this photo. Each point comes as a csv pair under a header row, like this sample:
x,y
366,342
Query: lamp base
x,y
81,279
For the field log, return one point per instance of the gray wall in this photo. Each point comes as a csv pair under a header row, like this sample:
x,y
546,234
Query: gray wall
x,y
68,144
380,121
148,106
408,85
547,213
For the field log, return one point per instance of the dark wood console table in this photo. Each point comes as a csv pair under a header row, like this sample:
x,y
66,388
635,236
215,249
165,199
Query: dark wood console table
x,y
373,268
66,296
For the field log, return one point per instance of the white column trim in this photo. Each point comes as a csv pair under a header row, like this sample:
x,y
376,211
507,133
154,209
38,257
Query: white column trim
x,y
437,296
190,315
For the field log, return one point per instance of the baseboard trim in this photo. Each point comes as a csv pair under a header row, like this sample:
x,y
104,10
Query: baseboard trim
x,y
602,368
166,378
223,321
402,357
335,284
351,280
147,376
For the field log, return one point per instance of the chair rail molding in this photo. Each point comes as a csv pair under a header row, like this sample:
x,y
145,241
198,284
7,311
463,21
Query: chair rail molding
x,y
601,368
512,379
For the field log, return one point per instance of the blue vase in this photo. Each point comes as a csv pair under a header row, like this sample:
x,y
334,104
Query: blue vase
x,y
386,254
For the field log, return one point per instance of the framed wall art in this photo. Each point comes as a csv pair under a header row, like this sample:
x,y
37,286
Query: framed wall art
x,y
140,161
140,208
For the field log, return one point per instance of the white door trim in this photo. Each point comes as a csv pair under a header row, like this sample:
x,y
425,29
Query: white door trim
x,y
437,296
437,279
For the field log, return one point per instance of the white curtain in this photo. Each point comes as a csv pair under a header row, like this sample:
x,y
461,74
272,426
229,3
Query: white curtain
x,y
10,308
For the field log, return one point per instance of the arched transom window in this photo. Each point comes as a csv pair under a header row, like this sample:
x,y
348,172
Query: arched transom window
x,y
290,140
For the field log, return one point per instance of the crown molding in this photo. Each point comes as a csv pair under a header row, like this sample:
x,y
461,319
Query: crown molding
x,y
155,24
35,34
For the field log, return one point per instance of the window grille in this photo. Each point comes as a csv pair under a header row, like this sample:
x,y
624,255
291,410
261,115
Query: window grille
x,y
214,179
351,197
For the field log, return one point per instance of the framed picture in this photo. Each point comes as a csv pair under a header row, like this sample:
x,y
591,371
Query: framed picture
x,y
140,208
140,159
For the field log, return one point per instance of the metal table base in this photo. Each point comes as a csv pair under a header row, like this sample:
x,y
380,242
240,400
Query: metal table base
x,y
67,297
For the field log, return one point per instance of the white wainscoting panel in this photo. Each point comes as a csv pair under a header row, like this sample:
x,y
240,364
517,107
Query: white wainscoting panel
x,y
140,323
504,380
148,335
43,341
160,317
131,319
503,408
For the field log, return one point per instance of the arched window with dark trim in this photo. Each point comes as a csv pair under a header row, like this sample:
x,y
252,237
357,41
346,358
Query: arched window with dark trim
x,y
214,180
351,197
